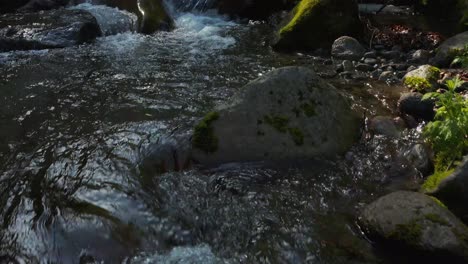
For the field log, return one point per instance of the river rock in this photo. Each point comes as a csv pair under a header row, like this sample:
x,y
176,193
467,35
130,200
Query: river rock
x,y
420,56
453,190
289,113
412,104
419,224
424,78
317,23
384,125
252,9
47,29
420,157
152,14
347,48
445,52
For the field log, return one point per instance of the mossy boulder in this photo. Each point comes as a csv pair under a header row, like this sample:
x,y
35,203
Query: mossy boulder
x,y
447,51
152,14
422,79
290,113
316,24
253,9
416,223
452,190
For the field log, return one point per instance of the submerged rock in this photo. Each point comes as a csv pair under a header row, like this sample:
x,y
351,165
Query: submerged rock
x,y
424,78
453,190
347,48
289,113
47,29
447,50
419,224
385,125
317,23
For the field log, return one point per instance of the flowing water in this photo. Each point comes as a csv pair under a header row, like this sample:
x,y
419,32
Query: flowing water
x,y
79,126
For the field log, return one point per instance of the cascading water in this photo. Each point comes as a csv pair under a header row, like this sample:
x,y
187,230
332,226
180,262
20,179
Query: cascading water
x,y
79,126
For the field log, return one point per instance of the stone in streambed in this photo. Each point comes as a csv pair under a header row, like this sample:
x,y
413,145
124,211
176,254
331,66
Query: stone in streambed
x,y
413,104
316,24
47,29
418,224
290,113
347,48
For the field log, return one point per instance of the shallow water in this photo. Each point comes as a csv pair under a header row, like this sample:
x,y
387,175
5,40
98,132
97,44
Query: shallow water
x,y
78,126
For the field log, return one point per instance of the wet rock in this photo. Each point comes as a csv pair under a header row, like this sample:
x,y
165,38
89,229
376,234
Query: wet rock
x,y
347,48
310,26
370,54
371,61
413,105
453,190
423,79
420,56
155,16
47,29
419,156
445,52
418,224
364,67
384,125
348,66
289,113
388,76
390,54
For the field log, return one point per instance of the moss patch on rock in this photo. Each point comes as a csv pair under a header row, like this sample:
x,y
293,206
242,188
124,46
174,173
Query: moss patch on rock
x,y
317,23
297,135
280,123
308,109
433,181
410,233
204,137
435,218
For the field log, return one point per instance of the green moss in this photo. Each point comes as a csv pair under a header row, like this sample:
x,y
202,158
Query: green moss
x,y
431,183
440,203
297,135
418,83
308,109
301,11
409,233
435,218
280,123
434,73
203,136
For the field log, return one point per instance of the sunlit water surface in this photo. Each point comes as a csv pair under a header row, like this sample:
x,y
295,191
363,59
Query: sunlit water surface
x,y
78,124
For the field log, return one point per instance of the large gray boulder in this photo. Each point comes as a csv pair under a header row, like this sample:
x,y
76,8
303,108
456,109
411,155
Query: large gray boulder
x,y
453,190
447,50
418,223
47,29
289,113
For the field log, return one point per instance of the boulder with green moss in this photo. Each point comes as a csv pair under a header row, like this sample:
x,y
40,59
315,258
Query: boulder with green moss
x,y
290,113
253,9
452,189
422,79
317,23
419,224
447,51
152,14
